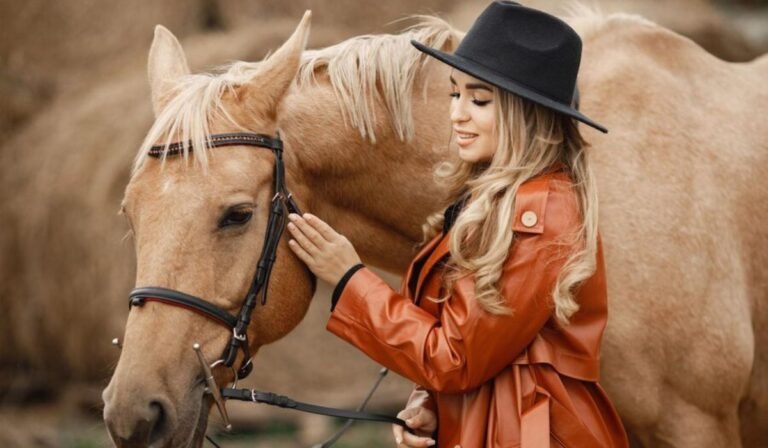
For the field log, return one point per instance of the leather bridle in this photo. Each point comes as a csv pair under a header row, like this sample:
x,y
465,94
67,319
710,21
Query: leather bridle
x,y
282,202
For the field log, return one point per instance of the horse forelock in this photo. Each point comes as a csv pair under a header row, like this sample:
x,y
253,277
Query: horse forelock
x,y
196,101
363,71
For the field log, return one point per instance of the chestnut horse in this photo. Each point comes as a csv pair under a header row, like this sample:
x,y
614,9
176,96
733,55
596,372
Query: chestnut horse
x,y
684,202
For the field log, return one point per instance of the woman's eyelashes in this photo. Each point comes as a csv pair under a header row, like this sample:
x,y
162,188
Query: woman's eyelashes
x,y
476,101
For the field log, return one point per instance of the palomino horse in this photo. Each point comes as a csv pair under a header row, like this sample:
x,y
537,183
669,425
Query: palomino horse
x,y
682,194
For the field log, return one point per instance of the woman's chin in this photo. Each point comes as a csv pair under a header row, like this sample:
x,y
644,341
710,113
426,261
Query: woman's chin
x,y
468,155
475,153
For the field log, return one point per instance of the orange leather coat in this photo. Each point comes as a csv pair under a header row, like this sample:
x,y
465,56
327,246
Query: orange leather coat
x,y
495,381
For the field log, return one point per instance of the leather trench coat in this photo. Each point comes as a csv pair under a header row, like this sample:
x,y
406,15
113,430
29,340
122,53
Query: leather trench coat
x,y
495,380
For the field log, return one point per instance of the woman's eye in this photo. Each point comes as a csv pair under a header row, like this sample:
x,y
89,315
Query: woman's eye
x,y
454,94
235,218
481,103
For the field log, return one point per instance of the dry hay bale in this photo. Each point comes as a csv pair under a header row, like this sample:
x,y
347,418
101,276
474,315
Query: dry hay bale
x,y
64,268
78,36
50,47
354,15
700,20
22,98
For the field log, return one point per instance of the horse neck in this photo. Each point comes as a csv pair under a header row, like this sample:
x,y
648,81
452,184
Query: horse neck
x,y
376,194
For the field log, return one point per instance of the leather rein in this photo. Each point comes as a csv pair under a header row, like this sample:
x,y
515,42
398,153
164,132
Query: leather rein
x,y
282,204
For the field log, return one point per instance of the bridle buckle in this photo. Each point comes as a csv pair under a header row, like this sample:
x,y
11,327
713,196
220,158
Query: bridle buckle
x,y
240,337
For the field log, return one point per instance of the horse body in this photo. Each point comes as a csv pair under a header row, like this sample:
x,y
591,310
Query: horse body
x,y
681,205
681,200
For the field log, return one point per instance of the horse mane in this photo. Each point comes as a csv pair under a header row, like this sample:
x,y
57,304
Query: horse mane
x,y
363,67
588,19
361,70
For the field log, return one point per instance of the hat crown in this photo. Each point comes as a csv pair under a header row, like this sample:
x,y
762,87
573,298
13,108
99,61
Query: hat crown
x,y
523,51
527,46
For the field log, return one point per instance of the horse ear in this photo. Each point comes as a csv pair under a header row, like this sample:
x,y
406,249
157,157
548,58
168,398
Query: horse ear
x,y
277,72
167,64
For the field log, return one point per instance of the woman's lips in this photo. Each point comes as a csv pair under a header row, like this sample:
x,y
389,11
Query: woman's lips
x,y
465,138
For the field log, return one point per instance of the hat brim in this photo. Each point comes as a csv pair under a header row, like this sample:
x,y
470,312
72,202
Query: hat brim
x,y
482,72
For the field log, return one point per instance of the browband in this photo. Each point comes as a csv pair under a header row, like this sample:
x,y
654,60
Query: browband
x,y
215,141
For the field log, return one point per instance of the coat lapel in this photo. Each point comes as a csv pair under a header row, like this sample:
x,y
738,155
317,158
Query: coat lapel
x,y
416,264
439,252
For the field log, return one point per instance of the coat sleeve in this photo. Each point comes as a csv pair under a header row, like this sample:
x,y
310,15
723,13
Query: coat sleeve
x,y
464,346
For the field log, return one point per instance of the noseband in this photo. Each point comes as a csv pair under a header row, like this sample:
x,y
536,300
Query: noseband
x,y
282,202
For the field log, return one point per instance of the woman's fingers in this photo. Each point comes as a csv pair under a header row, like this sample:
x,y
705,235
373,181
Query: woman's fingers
x,y
407,440
302,239
423,419
329,260
300,252
415,418
308,230
321,226
412,440
398,431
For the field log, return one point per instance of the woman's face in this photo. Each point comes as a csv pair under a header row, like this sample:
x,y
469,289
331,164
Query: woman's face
x,y
473,116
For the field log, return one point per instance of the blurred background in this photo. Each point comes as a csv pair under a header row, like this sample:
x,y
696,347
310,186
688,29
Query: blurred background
x,y
75,107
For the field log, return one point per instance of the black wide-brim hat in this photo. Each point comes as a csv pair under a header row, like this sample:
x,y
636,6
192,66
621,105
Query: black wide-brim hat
x,y
524,51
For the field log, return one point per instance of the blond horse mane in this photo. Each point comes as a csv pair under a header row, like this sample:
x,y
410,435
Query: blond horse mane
x,y
588,18
362,70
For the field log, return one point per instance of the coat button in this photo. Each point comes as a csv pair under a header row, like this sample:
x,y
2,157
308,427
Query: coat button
x,y
529,218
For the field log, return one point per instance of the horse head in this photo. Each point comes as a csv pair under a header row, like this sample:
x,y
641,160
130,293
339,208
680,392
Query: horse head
x,y
199,219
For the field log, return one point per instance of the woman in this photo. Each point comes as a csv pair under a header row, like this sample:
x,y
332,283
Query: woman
x,y
502,312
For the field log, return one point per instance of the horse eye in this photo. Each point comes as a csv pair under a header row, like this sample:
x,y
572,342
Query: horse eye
x,y
235,218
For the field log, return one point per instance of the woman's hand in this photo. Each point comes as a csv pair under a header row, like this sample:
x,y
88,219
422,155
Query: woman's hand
x,y
328,254
422,421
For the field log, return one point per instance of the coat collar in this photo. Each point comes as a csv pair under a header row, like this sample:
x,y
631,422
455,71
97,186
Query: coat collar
x,y
418,262
440,251
531,197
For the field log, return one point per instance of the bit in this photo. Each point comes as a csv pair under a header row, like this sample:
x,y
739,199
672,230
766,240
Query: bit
x,y
212,388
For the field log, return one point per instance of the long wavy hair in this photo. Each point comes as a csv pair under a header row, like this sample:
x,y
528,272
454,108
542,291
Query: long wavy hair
x,y
531,139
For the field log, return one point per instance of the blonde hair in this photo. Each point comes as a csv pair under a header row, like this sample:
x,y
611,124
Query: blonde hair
x,y
531,139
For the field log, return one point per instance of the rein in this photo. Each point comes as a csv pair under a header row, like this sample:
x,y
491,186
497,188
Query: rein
x,y
282,202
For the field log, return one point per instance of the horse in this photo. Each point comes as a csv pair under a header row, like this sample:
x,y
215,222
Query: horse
x,y
680,193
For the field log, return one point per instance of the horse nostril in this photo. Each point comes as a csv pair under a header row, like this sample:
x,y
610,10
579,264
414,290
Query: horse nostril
x,y
157,421
138,425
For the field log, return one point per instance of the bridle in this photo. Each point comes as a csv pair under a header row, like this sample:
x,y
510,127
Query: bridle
x,y
282,203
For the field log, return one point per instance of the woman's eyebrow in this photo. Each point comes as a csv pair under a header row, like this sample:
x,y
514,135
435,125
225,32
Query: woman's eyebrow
x,y
472,86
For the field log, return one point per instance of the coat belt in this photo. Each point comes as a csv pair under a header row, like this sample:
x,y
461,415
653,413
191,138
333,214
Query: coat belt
x,y
536,422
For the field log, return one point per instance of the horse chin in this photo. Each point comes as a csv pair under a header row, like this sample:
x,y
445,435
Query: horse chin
x,y
192,435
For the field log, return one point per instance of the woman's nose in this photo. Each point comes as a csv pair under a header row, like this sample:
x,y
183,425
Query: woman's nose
x,y
458,112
